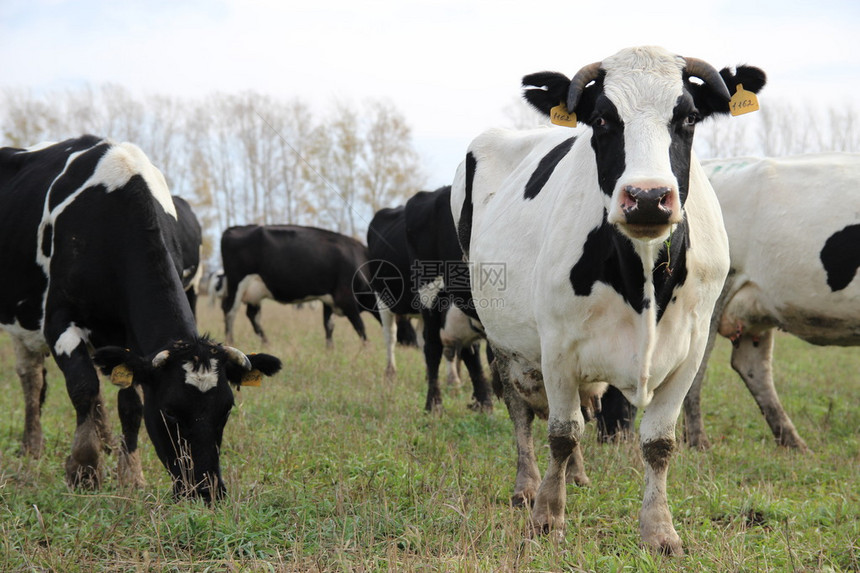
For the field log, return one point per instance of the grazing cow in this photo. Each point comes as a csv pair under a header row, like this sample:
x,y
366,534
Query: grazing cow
x,y
88,231
614,253
802,282
393,270
190,243
290,264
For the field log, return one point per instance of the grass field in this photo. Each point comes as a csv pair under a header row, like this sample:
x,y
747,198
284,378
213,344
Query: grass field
x,y
329,467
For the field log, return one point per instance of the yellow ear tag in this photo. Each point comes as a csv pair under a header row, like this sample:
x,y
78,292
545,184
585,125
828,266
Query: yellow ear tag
x,y
743,101
252,378
121,376
560,116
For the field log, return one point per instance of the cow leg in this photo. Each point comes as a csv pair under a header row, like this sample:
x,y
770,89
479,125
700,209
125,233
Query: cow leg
x,y
252,311
130,409
353,315
30,367
432,358
328,325
452,359
694,425
657,442
753,360
481,400
92,435
565,426
230,306
389,336
522,415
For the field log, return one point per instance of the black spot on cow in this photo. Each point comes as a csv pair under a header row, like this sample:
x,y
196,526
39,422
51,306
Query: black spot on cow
x,y
608,257
47,240
464,226
841,257
546,166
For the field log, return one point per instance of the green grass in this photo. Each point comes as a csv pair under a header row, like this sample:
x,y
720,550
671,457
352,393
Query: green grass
x,y
330,467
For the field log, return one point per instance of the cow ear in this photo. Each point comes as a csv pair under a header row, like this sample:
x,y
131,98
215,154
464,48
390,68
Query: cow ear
x,y
545,90
123,366
709,102
261,365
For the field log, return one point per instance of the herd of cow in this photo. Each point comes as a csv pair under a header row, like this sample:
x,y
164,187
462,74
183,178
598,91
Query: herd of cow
x,y
607,254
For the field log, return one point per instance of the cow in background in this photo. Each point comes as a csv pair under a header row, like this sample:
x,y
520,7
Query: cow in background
x,y
292,264
190,237
440,278
89,231
393,269
614,254
794,236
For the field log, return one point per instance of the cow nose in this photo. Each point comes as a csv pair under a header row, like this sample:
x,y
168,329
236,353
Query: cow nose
x,y
651,206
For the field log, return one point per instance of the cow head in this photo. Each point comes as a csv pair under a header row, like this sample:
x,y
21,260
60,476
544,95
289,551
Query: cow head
x,y
642,105
187,400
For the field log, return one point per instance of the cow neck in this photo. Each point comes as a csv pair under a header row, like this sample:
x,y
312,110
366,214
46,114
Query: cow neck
x,y
664,268
156,308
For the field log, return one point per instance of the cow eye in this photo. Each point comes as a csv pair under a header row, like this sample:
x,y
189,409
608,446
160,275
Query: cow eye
x,y
691,119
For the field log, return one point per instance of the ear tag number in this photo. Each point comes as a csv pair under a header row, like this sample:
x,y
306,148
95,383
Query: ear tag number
x,y
252,378
743,101
121,376
560,116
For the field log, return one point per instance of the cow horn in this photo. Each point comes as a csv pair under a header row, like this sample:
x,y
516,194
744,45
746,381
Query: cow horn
x,y
581,79
160,359
237,356
709,74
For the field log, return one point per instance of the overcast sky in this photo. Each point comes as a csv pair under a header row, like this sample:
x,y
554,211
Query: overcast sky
x,y
451,67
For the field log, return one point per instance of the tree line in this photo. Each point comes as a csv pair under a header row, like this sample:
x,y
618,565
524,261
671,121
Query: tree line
x,y
253,158
242,158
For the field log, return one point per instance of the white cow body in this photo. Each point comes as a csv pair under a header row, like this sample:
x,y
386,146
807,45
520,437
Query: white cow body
x,y
614,253
779,215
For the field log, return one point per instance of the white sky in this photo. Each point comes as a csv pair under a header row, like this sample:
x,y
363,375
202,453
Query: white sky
x,y
451,66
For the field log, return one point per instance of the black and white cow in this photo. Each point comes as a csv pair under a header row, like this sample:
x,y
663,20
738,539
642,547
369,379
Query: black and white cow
x,y
614,253
397,277
190,243
88,231
441,279
291,264
794,268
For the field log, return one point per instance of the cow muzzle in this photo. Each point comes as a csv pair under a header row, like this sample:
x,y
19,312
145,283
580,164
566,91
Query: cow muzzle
x,y
647,211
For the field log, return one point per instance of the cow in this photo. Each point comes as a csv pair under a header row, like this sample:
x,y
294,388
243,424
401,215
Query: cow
x,y
395,276
803,283
440,277
291,264
191,244
88,230
613,251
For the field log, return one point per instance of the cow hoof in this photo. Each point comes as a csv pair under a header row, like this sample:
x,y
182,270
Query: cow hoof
x,y
523,499
390,373
82,476
32,448
581,480
481,407
433,405
130,470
